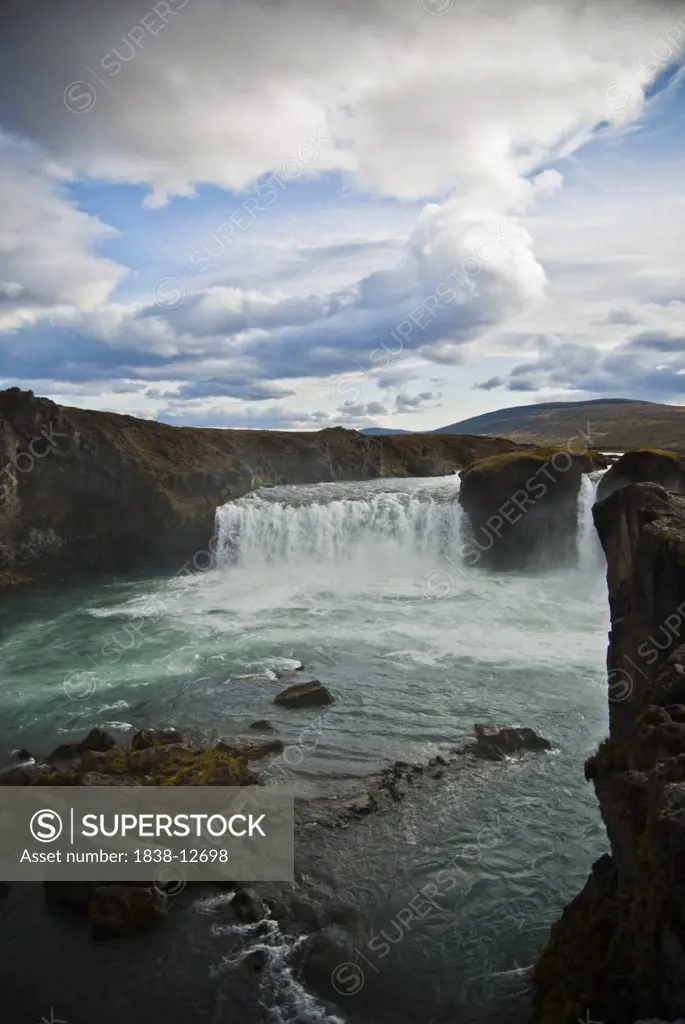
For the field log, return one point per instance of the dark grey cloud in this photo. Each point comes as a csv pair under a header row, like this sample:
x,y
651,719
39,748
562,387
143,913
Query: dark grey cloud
x,y
625,371
490,384
350,411
623,317
659,341
405,403
232,387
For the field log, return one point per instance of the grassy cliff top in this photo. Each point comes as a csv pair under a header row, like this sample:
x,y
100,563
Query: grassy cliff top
x,y
534,456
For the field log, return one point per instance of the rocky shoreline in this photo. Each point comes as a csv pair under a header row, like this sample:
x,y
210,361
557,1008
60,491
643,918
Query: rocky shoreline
x,y
161,757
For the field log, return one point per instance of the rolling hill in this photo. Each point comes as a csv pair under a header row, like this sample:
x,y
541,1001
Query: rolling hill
x,y
613,424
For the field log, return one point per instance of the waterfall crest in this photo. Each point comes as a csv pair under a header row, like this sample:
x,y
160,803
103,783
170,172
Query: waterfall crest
x,y
330,523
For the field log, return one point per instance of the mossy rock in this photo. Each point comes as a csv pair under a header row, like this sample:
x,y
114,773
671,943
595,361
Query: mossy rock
x,y
536,457
171,766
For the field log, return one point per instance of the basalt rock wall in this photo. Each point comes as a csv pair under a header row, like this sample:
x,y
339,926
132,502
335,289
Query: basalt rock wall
x,y
522,508
618,953
644,465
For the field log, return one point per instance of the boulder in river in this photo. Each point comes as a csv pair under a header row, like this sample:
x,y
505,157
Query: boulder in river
x,y
305,695
247,907
117,910
324,955
261,725
495,742
155,738
97,740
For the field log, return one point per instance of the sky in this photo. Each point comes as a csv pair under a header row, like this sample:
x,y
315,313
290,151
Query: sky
x,y
297,214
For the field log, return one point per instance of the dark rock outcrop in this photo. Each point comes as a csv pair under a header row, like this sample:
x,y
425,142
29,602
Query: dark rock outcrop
x,y
305,695
252,751
618,953
644,466
523,508
118,910
168,763
247,907
94,491
496,742
69,892
261,725
147,738
323,953
97,740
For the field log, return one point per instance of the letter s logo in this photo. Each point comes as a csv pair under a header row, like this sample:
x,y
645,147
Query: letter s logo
x,y
46,826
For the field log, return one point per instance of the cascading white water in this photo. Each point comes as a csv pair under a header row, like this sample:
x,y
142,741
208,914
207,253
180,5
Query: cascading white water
x,y
372,523
589,547
342,522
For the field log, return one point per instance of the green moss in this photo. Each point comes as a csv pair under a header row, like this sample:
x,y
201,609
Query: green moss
x,y
165,765
494,463
58,778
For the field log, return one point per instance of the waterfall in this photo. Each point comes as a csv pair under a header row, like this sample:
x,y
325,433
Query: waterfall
x,y
589,548
387,526
378,521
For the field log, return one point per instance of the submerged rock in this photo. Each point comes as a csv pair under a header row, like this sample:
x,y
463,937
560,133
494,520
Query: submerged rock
x,y
362,804
322,956
305,695
117,910
495,742
247,907
288,673
262,726
256,960
252,751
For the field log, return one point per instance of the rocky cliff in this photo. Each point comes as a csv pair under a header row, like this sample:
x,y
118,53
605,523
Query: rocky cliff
x,y
90,491
644,465
523,508
618,953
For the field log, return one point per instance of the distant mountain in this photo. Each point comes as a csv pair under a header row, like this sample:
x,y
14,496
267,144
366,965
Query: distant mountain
x,y
612,423
388,430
